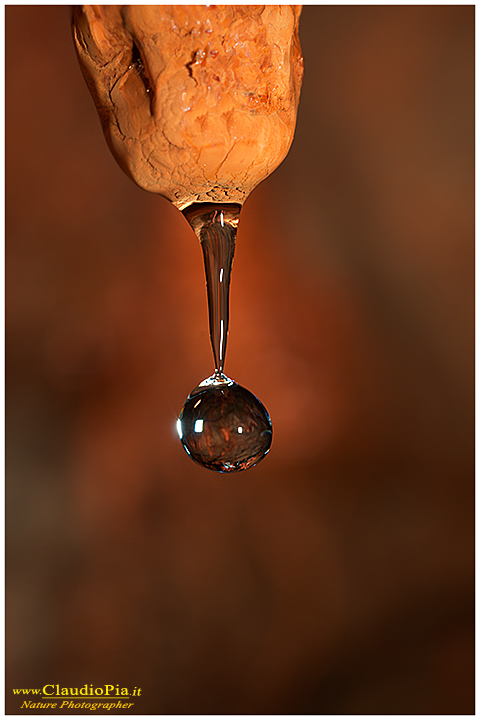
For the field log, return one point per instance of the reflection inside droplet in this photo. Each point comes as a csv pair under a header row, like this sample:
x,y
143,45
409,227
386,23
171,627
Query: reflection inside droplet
x,y
223,426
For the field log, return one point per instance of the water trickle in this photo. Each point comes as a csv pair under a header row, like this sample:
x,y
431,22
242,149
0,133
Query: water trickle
x,y
222,425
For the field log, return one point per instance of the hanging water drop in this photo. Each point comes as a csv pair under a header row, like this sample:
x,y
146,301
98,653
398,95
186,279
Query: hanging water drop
x,y
222,425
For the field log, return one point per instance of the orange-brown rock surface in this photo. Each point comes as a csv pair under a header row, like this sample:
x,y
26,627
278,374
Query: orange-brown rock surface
x,y
198,102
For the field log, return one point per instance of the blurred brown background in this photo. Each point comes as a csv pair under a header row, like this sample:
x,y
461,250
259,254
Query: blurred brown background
x,y
337,576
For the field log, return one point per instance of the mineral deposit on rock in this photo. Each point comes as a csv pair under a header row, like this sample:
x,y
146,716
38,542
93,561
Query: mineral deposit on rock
x,y
198,102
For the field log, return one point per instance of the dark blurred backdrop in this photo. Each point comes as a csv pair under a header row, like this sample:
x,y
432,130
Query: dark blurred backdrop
x,y
337,576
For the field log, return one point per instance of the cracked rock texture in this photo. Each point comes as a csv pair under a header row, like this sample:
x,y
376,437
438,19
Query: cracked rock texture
x,y
198,103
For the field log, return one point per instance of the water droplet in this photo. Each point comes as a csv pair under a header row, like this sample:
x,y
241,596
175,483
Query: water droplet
x,y
223,426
